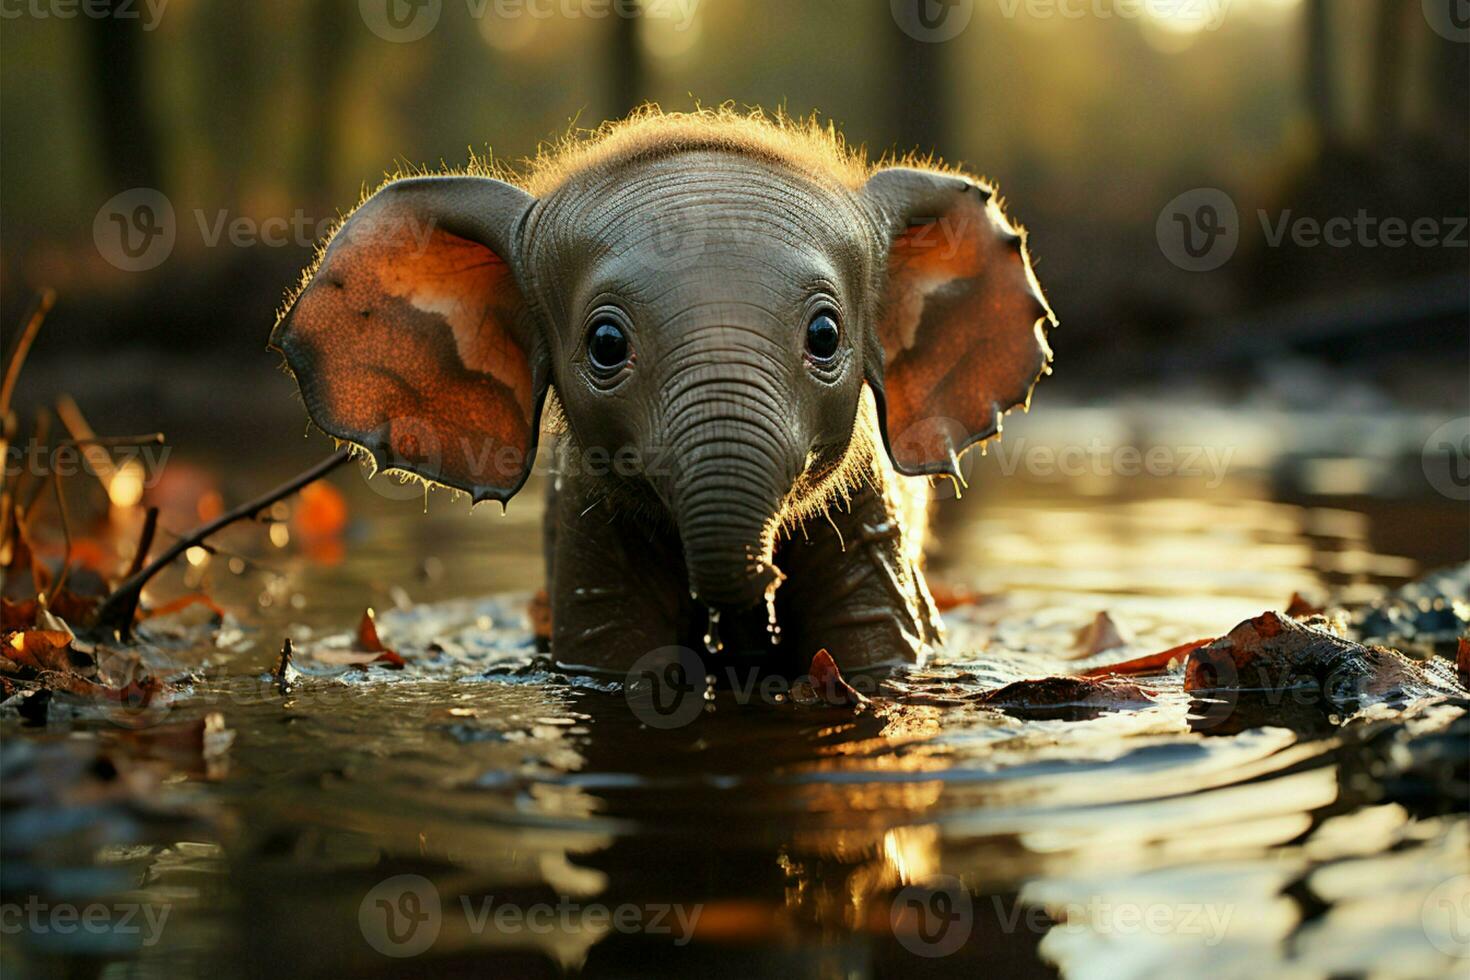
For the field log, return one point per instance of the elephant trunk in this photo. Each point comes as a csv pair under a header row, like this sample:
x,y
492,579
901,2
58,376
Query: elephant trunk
x,y
733,464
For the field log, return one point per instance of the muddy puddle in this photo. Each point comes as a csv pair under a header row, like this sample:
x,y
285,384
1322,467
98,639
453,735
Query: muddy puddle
x,y
477,813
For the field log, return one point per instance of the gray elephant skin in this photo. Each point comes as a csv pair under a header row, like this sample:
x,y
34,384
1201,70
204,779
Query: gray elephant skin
x,y
751,350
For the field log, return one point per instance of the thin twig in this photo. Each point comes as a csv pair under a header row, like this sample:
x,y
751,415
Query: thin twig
x,y
116,612
40,432
145,542
98,461
65,536
44,302
7,548
146,439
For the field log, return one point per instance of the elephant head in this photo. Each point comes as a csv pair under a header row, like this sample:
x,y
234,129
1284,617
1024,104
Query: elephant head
x,y
708,309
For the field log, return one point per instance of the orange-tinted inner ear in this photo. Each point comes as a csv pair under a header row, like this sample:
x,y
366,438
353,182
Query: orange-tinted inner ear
x,y
961,329
408,342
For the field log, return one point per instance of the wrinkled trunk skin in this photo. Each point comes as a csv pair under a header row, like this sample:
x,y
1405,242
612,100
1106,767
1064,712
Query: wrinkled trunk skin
x,y
732,463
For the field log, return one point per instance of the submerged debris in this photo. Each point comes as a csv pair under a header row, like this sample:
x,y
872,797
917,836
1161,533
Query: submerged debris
x,y
1065,697
285,673
1273,653
1431,613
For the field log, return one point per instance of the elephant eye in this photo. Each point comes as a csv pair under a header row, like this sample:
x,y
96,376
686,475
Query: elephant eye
x,y
607,345
821,336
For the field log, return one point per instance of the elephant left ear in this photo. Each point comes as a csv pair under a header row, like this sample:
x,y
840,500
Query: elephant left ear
x,y
962,321
413,339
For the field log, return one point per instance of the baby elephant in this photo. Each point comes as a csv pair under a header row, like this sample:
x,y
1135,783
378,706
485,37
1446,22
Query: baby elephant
x,y
747,334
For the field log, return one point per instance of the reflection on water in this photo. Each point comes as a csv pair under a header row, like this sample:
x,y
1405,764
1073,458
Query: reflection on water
x,y
476,812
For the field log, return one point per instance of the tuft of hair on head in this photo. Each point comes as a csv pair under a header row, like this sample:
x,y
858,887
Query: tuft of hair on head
x,y
803,144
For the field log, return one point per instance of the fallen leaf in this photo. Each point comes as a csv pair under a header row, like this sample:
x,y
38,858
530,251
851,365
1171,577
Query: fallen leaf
x,y
45,650
71,606
1153,663
17,615
369,649
50,660
828,683
1300,607
321,511
1099,635
947,596
184,602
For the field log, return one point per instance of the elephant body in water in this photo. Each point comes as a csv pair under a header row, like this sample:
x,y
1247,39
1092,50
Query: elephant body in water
x,y
756,345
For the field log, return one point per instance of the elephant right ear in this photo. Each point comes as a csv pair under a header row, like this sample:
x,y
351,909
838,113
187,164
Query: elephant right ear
x,y
961,334
413,338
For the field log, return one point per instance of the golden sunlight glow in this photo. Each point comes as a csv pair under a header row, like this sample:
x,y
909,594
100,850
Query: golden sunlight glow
x,y
912,852
197,556
508,33
1195,16
125,488
673,34
1186,16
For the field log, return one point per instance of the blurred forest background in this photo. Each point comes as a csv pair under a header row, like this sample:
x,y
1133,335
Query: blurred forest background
x,y
282,111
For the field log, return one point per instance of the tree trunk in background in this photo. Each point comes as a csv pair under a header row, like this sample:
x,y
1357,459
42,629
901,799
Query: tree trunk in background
x,y
625,68
1388,68
328,48
1320,101
919,110
127,141
230,61
1449,69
